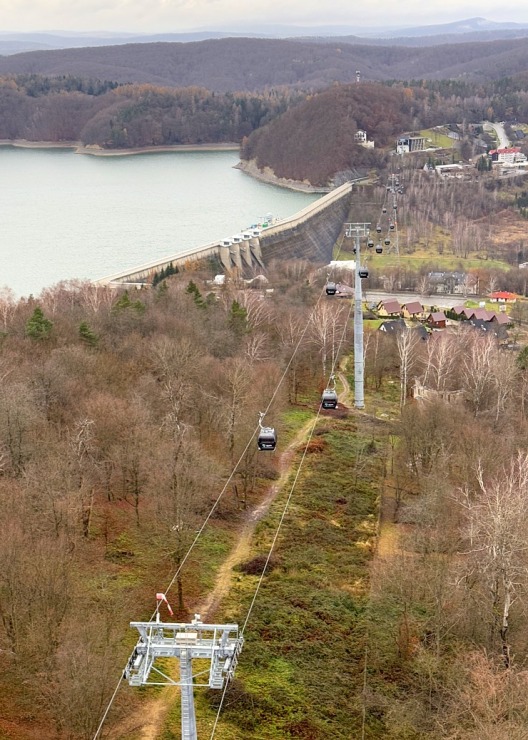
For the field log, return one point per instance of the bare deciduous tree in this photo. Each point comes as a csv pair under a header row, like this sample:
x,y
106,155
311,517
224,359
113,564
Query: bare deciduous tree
x,y
407,344
496,554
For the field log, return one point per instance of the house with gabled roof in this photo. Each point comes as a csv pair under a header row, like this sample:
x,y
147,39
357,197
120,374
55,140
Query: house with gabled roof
x,y
490,327
389,308
392,327
437,320
399,325
502,319
412,310
480,314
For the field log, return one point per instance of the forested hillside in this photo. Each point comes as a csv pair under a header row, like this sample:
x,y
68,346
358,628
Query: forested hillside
x,y
112,116
314,140
259,64
120,418
310,136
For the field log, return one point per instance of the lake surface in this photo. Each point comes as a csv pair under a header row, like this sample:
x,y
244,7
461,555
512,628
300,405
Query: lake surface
x,y
65,215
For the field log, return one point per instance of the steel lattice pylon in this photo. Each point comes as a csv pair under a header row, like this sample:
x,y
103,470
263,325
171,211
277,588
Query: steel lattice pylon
x,y
358,230
219,643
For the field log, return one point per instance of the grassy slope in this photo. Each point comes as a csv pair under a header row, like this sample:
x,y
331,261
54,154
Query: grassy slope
x,y
300,672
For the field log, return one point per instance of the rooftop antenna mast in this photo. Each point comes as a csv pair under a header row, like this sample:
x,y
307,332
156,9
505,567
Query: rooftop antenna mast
x,y
219,643
357,231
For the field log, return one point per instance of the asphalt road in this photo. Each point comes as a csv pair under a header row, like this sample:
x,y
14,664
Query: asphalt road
x,y
442,301
501,134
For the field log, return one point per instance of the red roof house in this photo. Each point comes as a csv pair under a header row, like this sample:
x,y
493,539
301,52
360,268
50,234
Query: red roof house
x,y
502,296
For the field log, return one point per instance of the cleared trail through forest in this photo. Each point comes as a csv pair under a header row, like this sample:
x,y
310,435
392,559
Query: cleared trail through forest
x,y
147,723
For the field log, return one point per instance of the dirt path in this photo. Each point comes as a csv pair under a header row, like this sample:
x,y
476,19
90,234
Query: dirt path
x,y
147,723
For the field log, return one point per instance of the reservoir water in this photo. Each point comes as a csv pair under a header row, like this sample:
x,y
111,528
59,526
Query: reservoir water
x,y
65,215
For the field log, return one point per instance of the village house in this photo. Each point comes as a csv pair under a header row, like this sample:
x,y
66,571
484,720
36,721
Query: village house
x,y
479,314
449,282
361,138
389,308
502,296
399,325
501,318
490,327
437,320
412,310
391,327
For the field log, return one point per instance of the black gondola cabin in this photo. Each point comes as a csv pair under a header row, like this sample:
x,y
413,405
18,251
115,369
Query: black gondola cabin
x,y
267,439
329,399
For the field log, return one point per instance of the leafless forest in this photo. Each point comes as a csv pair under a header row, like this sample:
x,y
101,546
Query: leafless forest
x,y
120,418
122,414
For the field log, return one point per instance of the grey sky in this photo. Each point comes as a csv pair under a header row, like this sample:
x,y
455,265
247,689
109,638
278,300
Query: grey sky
x,y
184,15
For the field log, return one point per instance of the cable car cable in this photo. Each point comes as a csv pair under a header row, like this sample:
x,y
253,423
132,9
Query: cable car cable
x,y
101,723
217,500
279,525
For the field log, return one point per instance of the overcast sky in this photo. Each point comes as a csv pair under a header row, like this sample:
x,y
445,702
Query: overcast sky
x,y
185,15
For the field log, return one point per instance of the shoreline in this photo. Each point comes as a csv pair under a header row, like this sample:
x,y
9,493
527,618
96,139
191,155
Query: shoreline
x,y
97,151
249,168
268,176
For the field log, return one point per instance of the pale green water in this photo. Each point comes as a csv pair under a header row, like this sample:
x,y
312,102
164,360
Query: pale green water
x,y
65,215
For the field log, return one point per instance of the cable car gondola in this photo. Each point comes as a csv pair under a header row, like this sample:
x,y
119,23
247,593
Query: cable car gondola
x,y
384,210
379,249
331,288
329,398
370,243
363,273
378,228
391,226
267,438
387,241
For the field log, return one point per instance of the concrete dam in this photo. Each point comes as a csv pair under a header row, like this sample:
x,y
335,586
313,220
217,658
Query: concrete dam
x,y
309,234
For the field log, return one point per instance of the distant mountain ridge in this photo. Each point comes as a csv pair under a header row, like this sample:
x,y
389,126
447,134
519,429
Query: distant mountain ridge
x,y
253,65
471,29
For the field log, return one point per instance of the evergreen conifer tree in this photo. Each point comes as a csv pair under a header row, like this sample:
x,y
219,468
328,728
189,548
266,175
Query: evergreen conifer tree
x,y
192,289
38,326
238,318
87,336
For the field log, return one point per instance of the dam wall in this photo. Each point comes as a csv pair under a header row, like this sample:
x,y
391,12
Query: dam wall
x,y
309,234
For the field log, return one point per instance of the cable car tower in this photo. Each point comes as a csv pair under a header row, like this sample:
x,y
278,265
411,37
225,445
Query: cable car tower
x,y
219,643
358,231
393,188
